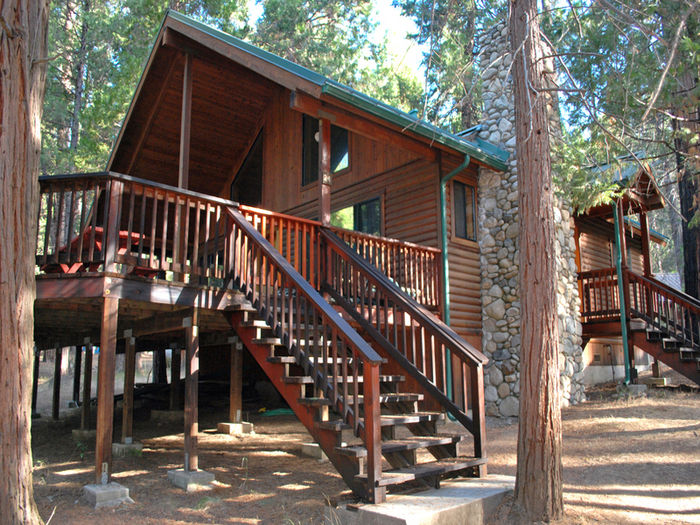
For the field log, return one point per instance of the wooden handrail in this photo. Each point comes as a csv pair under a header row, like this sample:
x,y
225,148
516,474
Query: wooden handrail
x,y
688,301
599,294
415,268
413,333
298,313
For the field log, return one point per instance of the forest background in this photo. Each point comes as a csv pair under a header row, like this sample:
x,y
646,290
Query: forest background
x,y
627,74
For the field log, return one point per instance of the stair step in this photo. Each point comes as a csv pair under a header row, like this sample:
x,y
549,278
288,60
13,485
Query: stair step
x,y
255,323
670,344
390,398
388,420
288,359
315,401
360,379
654,335
400,445
686,353
423,470
241,308
267,341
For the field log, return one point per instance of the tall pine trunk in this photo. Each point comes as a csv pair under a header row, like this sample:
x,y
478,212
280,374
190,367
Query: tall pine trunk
x,y
23,50
538,485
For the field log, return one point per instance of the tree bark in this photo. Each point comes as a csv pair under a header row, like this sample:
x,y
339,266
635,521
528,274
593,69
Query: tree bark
x,y
538,485
23,48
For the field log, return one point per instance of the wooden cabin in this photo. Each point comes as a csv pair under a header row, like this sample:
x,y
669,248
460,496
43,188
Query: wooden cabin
x,y
253,206
660,323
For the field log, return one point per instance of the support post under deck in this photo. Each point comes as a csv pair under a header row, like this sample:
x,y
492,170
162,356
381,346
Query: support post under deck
x,y
128,399
87,388
35,381
105,390
175,359
56,382
76,373
191,392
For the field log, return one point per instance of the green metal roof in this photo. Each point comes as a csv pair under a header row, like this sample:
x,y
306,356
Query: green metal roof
x,y
478,149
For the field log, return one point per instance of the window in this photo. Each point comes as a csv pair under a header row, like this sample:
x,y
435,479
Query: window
x,y
340,158
464,211
364,217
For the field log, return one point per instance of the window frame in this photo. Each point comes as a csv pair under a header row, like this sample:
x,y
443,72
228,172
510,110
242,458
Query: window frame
x,y
307,182
453,234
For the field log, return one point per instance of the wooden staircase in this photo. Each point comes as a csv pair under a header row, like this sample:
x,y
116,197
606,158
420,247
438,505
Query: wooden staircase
x,y
670,329
377,427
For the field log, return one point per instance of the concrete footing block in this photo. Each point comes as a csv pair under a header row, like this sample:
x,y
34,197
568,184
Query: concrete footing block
x,y
313,450
235,428
191,480
464,502
84,435
656,381
167,416
122,450
632,390
109,495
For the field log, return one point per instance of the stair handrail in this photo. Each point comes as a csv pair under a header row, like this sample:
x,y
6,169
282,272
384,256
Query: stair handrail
x,y
254,263
384,288
679,315
688,300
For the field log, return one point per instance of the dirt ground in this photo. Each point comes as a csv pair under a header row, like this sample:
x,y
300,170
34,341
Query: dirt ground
x,y
625,461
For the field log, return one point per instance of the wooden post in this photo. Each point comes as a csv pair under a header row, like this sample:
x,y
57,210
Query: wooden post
x,y
235,389
646,261
35,380
324,171
160,374
56,382
478,415
191,391
373,433
175,378
185,121
76,374
105,390
111,244
626,284
87,387
128,400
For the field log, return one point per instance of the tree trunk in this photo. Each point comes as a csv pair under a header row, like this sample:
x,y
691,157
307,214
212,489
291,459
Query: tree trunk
x,y
688,166
23,40
538,486
79,74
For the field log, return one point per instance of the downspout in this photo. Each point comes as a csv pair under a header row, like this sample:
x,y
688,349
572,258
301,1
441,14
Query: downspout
x,y
621,294
445,265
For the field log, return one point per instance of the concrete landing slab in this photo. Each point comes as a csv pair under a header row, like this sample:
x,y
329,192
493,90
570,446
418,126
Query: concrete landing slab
x,y
656,381
632,390
84,435
461,502
109,495
123,450
235,428
167,416
313,450
192,480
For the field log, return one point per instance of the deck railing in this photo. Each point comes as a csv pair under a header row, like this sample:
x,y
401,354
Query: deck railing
x,y
600,295
117,223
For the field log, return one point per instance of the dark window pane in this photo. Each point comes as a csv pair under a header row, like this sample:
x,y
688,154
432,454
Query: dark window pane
x,y
464,210
309,164
368,217
339,149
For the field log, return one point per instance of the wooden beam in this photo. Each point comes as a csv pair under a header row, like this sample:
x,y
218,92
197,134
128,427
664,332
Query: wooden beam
x,y
324,171
76,373
644,227
236,385
87,388
175,378
373,130
128,399
160,323
191,392
145,130
185,125
105,390
35,379
56,383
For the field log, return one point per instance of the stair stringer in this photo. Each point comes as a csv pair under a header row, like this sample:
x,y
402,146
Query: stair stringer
x,y
655,349
326,439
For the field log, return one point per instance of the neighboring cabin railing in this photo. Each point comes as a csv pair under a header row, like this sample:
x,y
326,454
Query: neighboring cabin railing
x,y
661,306
670,310
600,295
